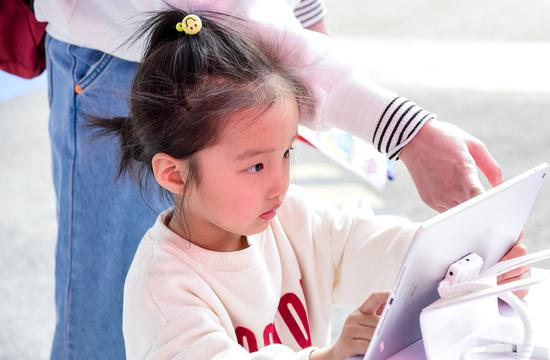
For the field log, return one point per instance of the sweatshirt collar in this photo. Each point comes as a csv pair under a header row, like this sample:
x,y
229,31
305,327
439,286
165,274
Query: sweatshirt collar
x,y
218,261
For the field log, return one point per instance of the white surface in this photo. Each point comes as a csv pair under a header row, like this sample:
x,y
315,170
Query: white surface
x,y
485,66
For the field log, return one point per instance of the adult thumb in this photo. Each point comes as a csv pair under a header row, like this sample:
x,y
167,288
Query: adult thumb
x,y
471,184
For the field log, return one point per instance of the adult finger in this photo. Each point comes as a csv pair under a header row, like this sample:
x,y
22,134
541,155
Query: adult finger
x,y
510,279
519,293
486,162
513,274
517,250
471,184
373,302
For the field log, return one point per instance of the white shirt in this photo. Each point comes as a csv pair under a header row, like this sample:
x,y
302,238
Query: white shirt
x,y
272,298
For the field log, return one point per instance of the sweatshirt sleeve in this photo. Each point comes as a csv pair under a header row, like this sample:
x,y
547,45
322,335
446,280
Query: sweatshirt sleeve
x,y
170,313
352,252
344,97
367,252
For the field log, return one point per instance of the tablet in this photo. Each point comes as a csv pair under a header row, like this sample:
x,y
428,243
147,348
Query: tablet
x,y
488,225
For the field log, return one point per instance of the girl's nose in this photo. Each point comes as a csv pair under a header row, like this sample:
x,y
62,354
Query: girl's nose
x,y
279,185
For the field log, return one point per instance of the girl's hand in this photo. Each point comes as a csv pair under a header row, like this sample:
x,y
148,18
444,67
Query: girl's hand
x,y
358,329
520,273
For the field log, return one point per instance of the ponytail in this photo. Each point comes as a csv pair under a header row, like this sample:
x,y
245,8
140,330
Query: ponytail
x,y
131,149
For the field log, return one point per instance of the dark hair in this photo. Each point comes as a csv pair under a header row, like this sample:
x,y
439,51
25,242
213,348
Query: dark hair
x,y
186,87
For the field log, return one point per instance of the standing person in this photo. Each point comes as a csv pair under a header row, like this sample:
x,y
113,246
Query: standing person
x,y
100,220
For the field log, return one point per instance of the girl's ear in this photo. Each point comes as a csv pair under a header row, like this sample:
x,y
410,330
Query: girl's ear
x,y
170,172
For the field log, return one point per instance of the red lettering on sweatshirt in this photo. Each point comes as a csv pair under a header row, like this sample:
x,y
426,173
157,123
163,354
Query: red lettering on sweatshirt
x,y
291,300
246,334
270,335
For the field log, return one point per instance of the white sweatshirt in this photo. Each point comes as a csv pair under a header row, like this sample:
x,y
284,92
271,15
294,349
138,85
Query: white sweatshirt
x,y
344,97
272,298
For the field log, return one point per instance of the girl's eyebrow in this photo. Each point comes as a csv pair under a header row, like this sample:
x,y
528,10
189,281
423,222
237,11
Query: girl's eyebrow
x,y
253,152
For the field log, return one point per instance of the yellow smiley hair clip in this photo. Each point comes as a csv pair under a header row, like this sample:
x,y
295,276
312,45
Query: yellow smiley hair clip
x,y
191,25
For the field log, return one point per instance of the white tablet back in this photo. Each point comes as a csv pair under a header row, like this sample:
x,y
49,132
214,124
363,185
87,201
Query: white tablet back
x,y
488,225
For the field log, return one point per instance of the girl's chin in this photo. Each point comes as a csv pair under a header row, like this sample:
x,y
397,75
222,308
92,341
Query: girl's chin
x,y
257,228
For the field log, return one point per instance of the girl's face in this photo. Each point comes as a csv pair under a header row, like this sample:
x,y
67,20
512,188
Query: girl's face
x,y
243,178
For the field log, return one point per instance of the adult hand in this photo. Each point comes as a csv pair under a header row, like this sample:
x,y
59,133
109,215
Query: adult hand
x,y
521,272
443,160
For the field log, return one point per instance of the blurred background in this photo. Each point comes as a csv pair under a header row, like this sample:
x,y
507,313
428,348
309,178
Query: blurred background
x,y
482,65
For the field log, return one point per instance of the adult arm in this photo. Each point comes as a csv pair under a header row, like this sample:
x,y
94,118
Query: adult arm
x,y
311,14
439,150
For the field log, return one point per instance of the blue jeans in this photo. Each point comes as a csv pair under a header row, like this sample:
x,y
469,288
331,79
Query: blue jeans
x,y
101,219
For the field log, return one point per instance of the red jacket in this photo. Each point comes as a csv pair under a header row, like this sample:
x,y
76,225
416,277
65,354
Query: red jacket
x,y
21,40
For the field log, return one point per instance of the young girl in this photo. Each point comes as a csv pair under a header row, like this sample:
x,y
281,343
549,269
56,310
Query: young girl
x,y
242,266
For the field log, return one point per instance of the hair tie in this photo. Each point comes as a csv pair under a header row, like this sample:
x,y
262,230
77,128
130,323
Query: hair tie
x,y
191,25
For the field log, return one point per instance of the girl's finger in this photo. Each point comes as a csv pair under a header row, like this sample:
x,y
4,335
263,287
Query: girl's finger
x,y
359,347
368,320
359,332
380,310
370,306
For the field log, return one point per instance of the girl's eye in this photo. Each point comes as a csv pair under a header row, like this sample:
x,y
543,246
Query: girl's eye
x,y
287,152
255,168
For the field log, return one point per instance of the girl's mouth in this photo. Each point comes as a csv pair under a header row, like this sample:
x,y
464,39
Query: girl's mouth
x,y
269,214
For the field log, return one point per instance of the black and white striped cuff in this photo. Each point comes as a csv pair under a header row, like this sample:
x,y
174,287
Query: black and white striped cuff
x,y
310,12
399,122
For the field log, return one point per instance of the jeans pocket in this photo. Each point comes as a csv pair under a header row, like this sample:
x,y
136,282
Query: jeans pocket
x,y
95,71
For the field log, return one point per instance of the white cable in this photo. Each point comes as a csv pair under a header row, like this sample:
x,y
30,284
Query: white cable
x,y
524,350
454,284
493,352
510,264
508,351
